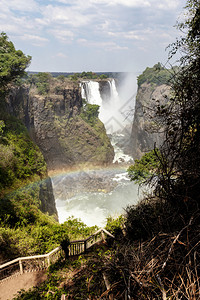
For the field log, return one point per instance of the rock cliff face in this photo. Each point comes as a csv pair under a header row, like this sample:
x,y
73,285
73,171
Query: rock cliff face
x,y
143,138
46,197
104,89
55,123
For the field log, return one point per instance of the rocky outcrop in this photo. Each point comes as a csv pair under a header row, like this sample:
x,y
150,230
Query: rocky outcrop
x,y
56,124
46,196
104,89
144,136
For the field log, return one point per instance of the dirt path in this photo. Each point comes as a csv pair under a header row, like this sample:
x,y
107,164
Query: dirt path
x,y
10,287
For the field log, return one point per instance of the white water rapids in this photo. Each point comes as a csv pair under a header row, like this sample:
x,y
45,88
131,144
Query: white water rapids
x,y
94,195
93,207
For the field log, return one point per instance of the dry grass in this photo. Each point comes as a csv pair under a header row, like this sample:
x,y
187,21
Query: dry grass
x,y
164,267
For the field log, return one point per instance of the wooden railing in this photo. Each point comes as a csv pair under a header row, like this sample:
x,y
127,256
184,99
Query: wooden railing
x,y
81,246
21,265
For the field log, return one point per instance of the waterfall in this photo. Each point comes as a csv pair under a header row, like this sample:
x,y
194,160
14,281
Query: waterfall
x,y
110,113
90,92
109,110
113,89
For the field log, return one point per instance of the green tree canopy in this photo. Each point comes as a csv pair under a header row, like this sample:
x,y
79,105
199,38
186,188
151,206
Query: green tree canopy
x,y
12,62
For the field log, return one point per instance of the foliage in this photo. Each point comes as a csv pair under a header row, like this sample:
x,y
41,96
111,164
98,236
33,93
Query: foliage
x,y
90,113
77,229
157,74
41,81
115,226
2,125
151,217
20,158
87,75
25,230
12,62
144,168
103,76
47,290
31,239
61,77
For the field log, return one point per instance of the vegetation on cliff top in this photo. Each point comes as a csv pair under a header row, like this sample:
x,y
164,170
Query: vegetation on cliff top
x,y
156,75
44,80
87,75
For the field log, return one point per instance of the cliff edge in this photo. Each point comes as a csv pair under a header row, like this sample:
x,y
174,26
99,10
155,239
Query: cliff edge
x,y
153,88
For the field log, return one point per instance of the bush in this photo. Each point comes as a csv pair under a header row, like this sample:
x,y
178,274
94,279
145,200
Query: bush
x,y
20,158
144,168
41,81
90,113
115,226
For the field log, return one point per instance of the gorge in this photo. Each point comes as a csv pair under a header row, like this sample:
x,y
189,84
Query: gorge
x,y
95,194
87,156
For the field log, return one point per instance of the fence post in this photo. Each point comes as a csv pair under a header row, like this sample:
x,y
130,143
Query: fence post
x,y
102,235
20,267
48,261
85,246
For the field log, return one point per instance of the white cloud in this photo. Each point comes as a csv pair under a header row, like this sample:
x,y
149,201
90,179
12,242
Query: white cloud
x,y
62,35
167,4
20,5
65,15
31,37
34,40
129,3
82,41
131,35
107,46
61,55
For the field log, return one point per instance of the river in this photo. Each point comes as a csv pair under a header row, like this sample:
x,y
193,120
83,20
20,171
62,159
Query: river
x,y
93,195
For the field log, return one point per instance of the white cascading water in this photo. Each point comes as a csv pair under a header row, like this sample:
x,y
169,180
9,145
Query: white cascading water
x,y
113,89
90,92
109,113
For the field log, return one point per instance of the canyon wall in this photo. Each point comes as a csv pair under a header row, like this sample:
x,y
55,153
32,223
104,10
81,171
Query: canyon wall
x,y
61,126
153,89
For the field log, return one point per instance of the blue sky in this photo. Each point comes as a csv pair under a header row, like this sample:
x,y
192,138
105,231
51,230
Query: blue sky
x,y
91,35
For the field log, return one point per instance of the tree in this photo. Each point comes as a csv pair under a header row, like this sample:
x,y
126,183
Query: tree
x,y
143,168
178,177
41,81
12,62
